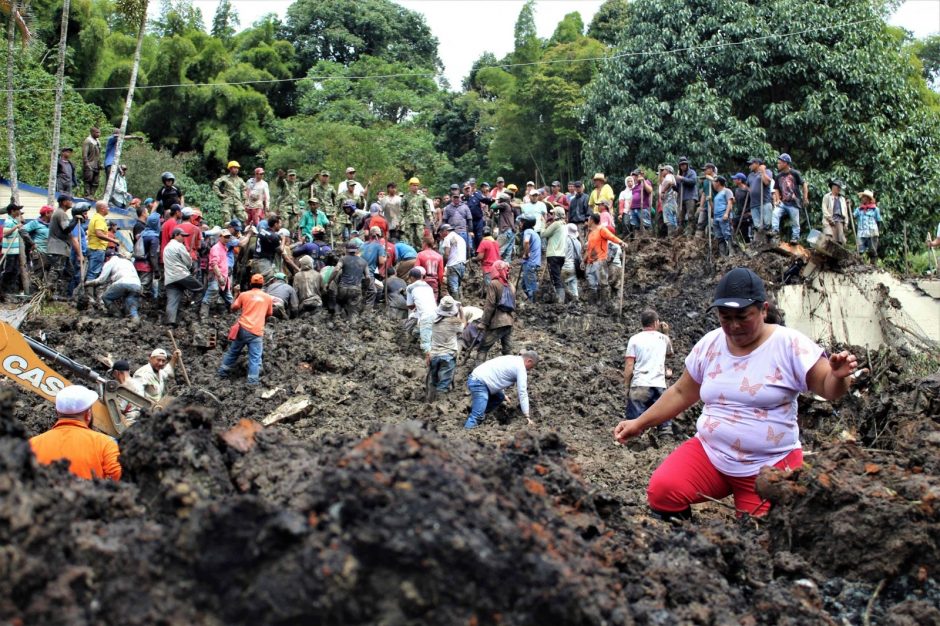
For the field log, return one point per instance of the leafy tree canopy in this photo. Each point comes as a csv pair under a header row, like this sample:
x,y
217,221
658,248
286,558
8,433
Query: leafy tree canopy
x,y
841,99
345,30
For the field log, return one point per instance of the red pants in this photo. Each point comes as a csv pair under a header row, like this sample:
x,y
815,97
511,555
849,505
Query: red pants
x,y
255,216
686,475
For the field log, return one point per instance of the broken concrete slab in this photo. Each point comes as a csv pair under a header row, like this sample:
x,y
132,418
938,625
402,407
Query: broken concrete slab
x,y
869,309
295,408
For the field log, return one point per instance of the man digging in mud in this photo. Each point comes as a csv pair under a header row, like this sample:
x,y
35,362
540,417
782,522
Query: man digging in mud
x,y
488,380
153,376
644,368
748,373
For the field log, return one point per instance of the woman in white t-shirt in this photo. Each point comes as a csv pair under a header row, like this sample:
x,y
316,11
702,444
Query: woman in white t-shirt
x,y
749,374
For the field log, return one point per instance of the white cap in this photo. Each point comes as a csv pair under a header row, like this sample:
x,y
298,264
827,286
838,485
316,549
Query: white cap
x,y
74,400
158,352
283,233
350,170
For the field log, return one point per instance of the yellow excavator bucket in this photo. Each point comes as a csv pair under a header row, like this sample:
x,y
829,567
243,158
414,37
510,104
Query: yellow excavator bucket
x,y
20,364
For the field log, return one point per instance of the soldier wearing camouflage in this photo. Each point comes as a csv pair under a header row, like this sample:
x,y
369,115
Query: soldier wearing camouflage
x,y
415,214
231,191
287,203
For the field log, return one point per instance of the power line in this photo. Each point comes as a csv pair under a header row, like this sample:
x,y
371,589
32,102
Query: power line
x,y
622,55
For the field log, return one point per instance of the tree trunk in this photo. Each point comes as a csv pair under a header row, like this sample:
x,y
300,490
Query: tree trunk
x,y
127,106
11,134
59,92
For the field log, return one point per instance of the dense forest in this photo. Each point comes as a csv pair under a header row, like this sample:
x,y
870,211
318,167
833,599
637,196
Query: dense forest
x,y
359,82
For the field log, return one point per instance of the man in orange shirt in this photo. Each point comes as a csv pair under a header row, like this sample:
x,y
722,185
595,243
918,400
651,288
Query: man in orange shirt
x,y
90,454
595,257
256,306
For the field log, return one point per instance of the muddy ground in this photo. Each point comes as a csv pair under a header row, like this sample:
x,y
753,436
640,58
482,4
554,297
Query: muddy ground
x,y
374,507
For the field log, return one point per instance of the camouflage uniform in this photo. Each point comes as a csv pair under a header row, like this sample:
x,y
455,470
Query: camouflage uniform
x,y
231,191
287,203
414,215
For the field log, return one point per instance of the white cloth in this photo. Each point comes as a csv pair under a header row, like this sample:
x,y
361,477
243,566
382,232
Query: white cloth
x,y
458,249
119,271
177,262
649,348
153,383
420,294
503,372
357,188
259,194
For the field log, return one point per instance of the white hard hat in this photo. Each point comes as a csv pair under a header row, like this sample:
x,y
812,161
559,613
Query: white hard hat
x,y
74,400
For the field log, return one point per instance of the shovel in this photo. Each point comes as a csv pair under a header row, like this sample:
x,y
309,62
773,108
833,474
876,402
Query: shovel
x,y
182,365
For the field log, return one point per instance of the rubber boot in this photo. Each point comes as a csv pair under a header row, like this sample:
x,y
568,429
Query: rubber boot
x,y
560,295
204,311
672,232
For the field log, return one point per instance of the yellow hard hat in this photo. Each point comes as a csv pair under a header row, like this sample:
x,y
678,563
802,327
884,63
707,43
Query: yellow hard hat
x,y
232,164
414,181
512,187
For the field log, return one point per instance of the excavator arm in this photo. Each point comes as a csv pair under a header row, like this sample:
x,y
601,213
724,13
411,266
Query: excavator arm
x,y
20,363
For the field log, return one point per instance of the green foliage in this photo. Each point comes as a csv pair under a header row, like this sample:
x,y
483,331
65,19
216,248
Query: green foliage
x,y
569,29
609,21
33,111
225,21
345,30
381,154
369,100
534,127
144,165
840,100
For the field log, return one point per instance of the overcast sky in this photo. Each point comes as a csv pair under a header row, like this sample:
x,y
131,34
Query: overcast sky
x,y
467,28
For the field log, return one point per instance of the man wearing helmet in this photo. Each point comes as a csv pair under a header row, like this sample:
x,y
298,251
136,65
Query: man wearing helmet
x,y
259,197
414,213
169,194
232,192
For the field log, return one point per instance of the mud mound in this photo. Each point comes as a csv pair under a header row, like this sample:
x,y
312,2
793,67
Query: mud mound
x,y
879,519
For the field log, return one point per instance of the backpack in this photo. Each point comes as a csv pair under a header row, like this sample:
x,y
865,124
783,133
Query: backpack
x,y
507,301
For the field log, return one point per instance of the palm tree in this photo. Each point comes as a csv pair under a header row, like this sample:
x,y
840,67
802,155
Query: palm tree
x,y
134,10
59,89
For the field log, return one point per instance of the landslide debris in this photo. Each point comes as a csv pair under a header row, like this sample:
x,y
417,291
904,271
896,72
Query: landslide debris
x,y
375,507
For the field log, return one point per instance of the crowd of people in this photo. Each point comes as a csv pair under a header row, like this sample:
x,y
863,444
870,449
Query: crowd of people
x,y
311,247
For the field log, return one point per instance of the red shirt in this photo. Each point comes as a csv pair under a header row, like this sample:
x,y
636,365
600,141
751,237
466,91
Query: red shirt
x,y
381,222
433,264
166,234
489,249
192,239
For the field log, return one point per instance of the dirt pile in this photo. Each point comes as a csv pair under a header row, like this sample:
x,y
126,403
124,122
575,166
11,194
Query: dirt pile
x,y
373,506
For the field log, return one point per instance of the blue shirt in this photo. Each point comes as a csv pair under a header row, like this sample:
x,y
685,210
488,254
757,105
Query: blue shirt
x,y
473,203
39,232
230,251
404,252
79,232
535,247
109,151
687,184
720,198
370,253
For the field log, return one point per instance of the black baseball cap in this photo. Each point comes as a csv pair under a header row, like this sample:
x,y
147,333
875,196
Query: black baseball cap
x,y
121,366
738,289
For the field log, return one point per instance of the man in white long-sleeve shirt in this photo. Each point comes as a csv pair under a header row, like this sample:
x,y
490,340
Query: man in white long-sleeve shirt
x,y
489,379
124,285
